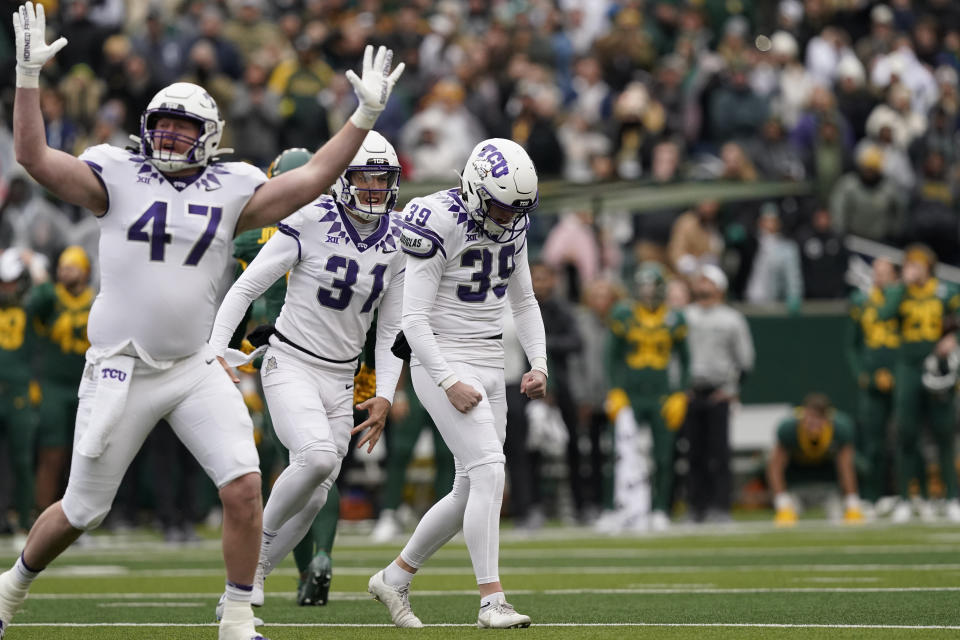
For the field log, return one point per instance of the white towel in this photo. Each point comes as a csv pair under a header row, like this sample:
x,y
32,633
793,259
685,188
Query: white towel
x,y
237,358
113,377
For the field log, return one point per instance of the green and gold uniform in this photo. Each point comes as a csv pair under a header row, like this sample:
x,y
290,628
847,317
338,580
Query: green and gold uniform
x,y
921,311
18,421
60,320
872,354
814,460
640,346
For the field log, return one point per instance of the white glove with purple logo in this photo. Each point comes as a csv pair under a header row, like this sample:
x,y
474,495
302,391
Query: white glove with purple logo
x,y
29,27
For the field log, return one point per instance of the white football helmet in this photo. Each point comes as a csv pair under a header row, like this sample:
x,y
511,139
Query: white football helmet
x,y
187,101
14,277
499,171
376,158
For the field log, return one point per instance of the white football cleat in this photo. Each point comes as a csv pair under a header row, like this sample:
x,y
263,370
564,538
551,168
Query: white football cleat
x,y
926,511
953,510
901,513
11,597
238,622
396,599
659,521
502,616
257,622
387,527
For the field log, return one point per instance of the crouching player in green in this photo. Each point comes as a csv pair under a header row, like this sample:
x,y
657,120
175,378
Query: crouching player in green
x,y
926,309
60,314
645,333
814,445
872,354
312,554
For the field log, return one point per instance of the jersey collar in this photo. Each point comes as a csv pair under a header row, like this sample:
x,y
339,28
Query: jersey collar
x,y
362,244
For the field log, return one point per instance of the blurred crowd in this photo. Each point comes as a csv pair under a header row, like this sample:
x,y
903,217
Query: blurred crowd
x,y
857,98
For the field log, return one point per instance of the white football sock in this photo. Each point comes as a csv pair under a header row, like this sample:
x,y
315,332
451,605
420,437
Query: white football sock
x,y
481,520
438,525
396,576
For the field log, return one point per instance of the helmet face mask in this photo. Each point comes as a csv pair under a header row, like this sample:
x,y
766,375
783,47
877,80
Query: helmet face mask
x,y
499,178
650,287
180,101
370,185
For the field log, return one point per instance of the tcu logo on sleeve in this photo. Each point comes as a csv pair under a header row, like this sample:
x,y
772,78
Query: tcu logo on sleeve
x,y
114,374
495,164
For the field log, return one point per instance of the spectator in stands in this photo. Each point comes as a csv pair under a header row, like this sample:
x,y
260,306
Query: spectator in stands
x,y
85,36
825,52
536,129
896,114
721,352
640,121
822,107
902,67
580,143
737,166
735,111
775,155
792,82
203,69
61,131
255,117
775,274
34,223
824,258
228,55
442,134
830,158
880,40
863,203
671,92
695,239
854,101
253,32
933,216
304,117
628,46
162,52
573,242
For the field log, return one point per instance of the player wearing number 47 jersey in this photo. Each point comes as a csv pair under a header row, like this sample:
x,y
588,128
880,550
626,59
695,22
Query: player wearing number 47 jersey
x,y
167,216
467,252
343,255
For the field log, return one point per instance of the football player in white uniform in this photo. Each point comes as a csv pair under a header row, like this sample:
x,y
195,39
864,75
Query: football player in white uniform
x,y
343,255
167,216
466,254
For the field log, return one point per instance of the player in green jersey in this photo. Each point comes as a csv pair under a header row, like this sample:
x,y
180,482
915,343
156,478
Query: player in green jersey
x,y
872,354
18,424
926,308
644,335
815,444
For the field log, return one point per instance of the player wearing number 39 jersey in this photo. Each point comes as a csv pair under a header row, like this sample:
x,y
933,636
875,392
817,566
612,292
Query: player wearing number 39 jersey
x,y
466,255
167,213
344,259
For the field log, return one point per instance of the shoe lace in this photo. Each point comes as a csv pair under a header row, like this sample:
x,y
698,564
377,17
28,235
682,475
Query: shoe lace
x,y
404,593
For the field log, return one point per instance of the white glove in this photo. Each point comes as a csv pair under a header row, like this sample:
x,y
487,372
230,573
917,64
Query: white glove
x,y
374,87
30,27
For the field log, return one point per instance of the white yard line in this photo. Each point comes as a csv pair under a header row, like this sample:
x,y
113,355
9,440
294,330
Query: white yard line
x,y
737,625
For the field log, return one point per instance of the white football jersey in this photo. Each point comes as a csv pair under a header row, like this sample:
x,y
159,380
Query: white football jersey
x,y
165,244
338,278
472,293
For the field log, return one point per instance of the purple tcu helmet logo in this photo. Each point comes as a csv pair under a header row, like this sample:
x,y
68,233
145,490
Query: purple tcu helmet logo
x,y
497,163
115,374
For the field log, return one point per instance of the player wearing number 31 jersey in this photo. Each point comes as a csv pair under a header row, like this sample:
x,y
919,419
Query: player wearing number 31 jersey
x,y
466,254
343,255
167,213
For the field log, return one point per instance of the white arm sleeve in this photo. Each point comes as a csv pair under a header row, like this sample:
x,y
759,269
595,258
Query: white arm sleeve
x,y
388,325
526,314
419,293
276,257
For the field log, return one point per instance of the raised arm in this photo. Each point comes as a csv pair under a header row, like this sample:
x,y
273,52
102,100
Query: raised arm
x,y
288,192
277,257
64,175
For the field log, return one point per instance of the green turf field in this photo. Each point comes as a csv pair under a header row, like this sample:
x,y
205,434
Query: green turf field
x,y
743,581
